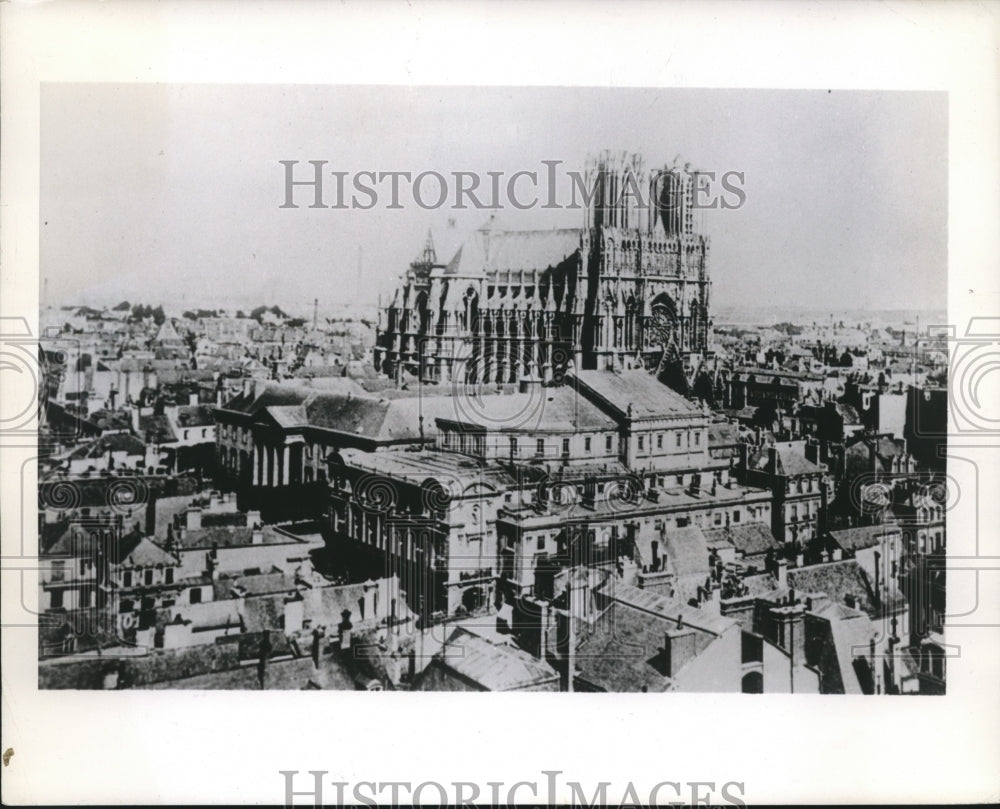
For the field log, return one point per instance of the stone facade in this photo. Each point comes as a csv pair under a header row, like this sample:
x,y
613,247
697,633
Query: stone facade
x,y
630,289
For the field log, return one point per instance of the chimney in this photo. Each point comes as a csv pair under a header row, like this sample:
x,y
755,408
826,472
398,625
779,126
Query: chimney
x,y
317,644
294,613
678,647
782,572
695,488
838,554
110,681
193,398
344,630
257,536
253,518
192,519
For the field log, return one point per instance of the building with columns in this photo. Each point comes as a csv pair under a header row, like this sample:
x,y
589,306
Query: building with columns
x,y
273,440
629,289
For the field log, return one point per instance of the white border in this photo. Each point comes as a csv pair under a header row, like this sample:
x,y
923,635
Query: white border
x,y
228,747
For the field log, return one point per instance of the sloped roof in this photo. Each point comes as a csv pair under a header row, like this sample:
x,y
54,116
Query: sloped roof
x,y
647,396
546,409
687,550
654,603
791,459
148,554
168,333
866,536
851,635
82,541
492,249
378,418
837,580
229,536
750,539
491,666
622,652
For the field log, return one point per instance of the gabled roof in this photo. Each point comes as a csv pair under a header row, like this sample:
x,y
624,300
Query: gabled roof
x,y
147,554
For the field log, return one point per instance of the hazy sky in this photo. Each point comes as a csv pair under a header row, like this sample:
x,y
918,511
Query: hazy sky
x,y
171,193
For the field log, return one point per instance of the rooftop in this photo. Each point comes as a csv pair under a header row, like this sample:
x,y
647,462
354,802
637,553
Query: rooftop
x,y
635,393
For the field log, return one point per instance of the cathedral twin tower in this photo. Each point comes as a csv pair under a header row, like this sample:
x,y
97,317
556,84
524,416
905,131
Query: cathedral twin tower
x,y
630,289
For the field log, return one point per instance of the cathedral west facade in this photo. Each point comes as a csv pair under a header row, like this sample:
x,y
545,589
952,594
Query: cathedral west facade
x,y
630,289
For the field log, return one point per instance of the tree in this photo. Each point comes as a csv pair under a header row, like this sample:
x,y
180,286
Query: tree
x,y
124,306
158,316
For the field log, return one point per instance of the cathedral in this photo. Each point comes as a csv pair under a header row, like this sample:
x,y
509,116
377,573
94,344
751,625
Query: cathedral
x,y
629,289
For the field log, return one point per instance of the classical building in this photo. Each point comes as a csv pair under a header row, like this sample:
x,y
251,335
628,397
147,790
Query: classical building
x,y
629,289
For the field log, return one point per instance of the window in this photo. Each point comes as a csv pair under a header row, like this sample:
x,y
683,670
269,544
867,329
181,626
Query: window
x,y
148,577
127,579
541,543
607,443
186,434
540,446
56,599
659,441
169,575
83,566
642,442
718,518
565,446
678,439
195,596
513,447
586,444
697,439
736,516
58,571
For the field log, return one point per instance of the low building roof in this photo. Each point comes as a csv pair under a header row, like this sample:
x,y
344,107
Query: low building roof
x,y
647,397
837,580
750,539
492,667
865,536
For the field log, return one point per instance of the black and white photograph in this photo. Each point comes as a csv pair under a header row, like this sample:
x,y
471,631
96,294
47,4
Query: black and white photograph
x,y
482,404
586,392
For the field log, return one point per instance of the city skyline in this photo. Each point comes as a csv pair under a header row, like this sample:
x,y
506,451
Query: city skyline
x,y
204,162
